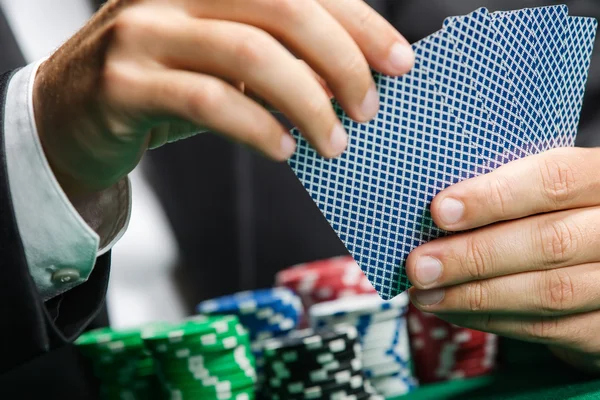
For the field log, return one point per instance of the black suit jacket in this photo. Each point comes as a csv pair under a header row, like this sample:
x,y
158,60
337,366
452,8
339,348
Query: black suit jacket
x,y
33,332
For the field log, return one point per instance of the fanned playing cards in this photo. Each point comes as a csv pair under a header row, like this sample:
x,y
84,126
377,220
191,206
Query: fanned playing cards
x,y
486,89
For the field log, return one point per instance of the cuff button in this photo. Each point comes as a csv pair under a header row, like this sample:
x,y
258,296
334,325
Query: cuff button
x,y
65,275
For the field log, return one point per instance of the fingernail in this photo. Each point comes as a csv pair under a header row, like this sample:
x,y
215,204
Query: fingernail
x,y
402,57
451,211
370,105
429,297
288,145
339,139
428,270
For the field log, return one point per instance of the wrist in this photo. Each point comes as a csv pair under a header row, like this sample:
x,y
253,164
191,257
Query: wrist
x,y
53,131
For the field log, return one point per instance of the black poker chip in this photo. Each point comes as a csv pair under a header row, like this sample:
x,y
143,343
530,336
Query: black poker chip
x,y
308,340
325,361
310,364
334,390
319,375
298,386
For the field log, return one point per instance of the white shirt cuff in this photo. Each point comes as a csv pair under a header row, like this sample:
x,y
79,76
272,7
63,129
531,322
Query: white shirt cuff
x,y
61,240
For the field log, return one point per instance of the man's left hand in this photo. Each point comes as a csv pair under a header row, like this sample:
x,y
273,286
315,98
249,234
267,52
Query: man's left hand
x,y
528,266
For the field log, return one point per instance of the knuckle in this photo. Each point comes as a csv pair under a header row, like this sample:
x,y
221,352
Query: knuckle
x,y
366,18
560,241
208,100
543,330
129,24
288,9
356,66
557,293
478,296
252,45
558,180
117,81
317,108
499,194
478,259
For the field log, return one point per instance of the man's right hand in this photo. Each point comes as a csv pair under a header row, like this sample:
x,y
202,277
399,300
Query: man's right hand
x,y
146,72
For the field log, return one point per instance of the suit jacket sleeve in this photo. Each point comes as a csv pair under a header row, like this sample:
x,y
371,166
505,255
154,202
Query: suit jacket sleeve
x,y
30,327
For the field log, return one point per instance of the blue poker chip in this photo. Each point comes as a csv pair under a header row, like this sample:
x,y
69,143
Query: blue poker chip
x,y
249,302
267,314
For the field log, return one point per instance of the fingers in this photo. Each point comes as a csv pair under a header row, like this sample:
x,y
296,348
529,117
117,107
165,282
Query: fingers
x,y
252,94
205,101
314,35
538,243
555,292
576,332
238,52
384,47
556,180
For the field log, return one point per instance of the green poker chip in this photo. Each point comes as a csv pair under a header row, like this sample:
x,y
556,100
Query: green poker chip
x,y
120,361
108,344
207,343
204,357
198,367
192,330
215,385
205,377
242,394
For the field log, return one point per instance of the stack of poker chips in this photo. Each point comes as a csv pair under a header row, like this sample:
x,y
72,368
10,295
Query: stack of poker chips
x,y
322,364
203,358
265,313
325,280
383,334
121,363
442,351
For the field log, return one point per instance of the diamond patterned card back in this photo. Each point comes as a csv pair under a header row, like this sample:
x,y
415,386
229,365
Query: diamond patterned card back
x,y
517,45
579,45
442,63
474,40
376,196
549,25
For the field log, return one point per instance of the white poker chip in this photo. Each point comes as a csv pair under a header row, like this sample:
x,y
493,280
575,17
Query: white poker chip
x,y
364,304
392,385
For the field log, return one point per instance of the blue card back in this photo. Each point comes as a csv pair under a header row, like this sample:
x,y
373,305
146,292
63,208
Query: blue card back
x,y
579,45
517,44
549,25
443,64
474,39
376,196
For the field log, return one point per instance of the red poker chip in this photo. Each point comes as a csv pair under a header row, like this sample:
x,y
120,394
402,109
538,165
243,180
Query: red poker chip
x,y
442,351
325,280
322,267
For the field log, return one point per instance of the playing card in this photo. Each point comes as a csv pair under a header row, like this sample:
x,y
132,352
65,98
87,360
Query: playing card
x,y
549,25
579,39
442,63
474,40
517,45
376,196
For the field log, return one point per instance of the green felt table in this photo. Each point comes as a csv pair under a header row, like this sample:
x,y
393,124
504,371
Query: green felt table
x,y
527,372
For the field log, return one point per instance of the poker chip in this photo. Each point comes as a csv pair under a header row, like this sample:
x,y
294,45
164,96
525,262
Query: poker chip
x,y
207,357
315,364
442,351
324,280
120,361
265,313
382,330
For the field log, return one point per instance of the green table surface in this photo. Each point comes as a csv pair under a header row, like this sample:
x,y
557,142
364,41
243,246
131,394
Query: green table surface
x,y
526,372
